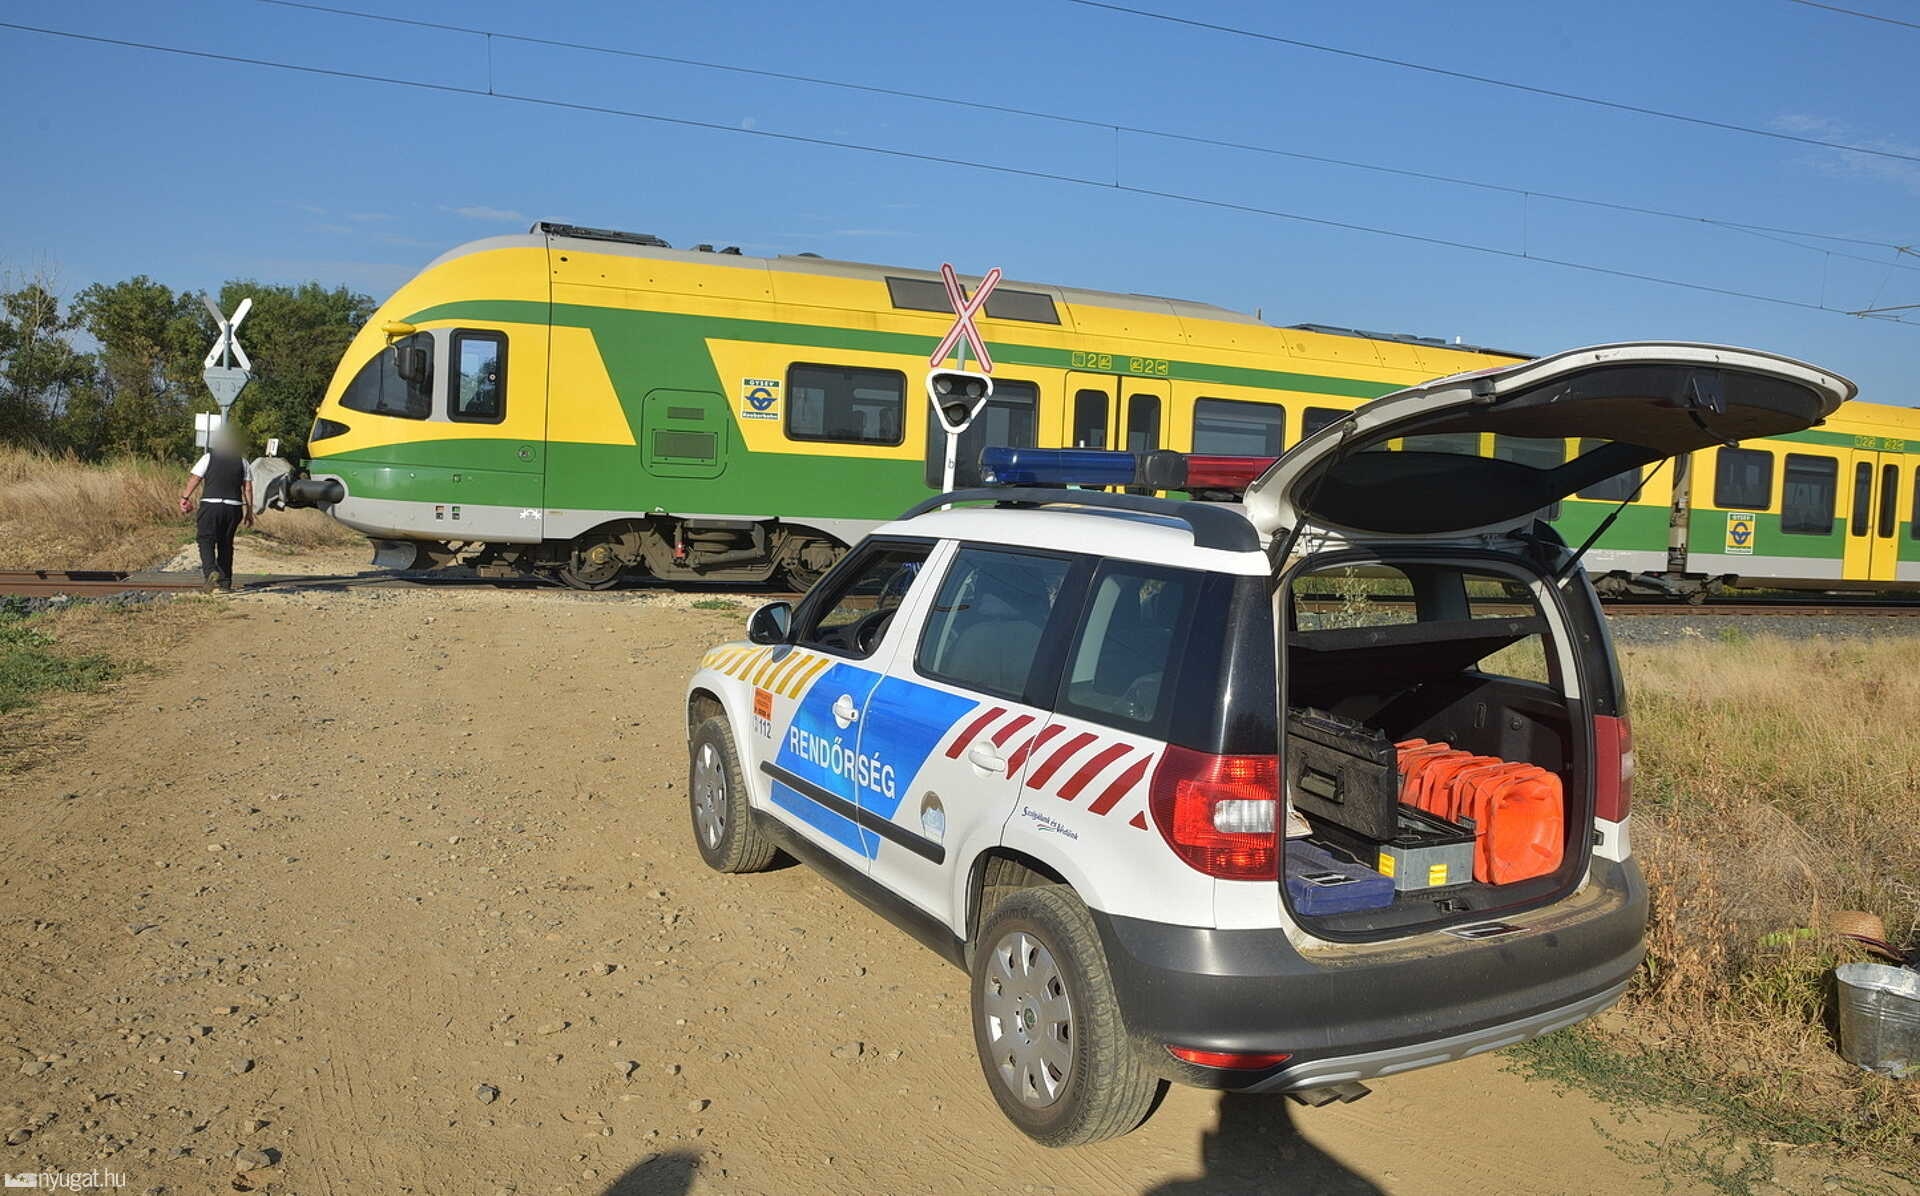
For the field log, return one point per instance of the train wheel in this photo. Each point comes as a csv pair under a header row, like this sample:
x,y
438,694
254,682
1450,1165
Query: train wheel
x,y
596,568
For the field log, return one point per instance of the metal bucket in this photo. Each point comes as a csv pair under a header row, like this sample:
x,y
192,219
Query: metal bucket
x,y
1880,1017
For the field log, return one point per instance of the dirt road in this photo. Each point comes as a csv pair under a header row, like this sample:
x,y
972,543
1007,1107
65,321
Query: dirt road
x,y
394,892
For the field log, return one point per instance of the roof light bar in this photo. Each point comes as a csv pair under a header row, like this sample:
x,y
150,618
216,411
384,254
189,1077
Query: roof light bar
x,y
1159,470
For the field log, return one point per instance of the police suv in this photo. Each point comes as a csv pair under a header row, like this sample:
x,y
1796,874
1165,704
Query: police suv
x,y
1269,796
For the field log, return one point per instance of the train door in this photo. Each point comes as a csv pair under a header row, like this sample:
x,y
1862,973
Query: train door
x,y
1873,487
1092,411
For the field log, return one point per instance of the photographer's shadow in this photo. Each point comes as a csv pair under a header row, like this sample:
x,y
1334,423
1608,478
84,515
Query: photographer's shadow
x,y
1257,1147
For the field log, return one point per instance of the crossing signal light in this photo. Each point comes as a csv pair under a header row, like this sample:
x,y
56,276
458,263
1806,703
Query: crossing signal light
x,y
958,396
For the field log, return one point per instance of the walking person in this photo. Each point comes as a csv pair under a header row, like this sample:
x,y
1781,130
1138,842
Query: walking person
x,y
226,501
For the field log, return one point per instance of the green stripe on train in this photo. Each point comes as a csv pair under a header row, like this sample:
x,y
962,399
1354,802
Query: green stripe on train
x,y
625,324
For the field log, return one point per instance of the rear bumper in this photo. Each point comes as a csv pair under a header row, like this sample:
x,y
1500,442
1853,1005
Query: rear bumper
x,y
1358,1011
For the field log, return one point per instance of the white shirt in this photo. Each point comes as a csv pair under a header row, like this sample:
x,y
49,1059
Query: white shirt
x,y
199,470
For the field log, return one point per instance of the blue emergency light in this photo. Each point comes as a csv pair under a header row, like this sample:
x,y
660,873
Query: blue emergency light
x,y
1158,470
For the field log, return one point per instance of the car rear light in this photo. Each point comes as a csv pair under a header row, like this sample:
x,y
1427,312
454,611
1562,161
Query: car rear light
x,y
1613,768
1218,812
1238,1060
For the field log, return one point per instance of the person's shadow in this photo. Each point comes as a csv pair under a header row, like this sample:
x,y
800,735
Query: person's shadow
x,y
669,1174
1258,1148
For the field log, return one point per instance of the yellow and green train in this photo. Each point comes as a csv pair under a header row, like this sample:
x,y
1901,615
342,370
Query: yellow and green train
x,y
592,404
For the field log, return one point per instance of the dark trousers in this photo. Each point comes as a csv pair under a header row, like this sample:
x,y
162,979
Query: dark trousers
x,y
218,522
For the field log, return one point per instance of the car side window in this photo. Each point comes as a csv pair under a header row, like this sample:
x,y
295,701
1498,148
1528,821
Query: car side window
x,y
853,616
987,622
1133,630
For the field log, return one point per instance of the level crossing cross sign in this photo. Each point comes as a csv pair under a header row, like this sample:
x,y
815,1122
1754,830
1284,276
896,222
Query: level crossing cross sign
x,y
964,310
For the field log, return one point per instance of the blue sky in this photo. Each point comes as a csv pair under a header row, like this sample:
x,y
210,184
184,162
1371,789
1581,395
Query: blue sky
x,y
123,161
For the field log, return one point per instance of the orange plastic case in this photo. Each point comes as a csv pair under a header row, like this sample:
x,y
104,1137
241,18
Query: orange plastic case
x,y
1517,810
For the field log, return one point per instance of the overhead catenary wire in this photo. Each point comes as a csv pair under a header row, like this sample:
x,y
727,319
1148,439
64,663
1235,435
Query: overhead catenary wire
x,y
913,155
1767,231
1854,12
1491,81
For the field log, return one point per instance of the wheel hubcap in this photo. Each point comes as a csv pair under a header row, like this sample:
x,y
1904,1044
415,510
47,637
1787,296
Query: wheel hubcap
x,y
1028,1019
709,796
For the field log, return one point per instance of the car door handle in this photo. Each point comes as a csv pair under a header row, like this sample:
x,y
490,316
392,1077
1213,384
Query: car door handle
x,y
844,711
985,755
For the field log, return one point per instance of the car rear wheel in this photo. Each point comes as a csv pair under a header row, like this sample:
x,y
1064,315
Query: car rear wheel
x,y
1047,1025
723,826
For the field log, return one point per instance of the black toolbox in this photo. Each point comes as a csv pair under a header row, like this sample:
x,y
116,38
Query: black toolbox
x,y
1344,772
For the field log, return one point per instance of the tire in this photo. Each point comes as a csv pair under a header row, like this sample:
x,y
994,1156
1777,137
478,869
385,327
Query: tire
x,y
724,829
1090,1084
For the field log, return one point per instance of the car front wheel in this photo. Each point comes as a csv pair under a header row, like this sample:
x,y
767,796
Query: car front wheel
x,y
723,827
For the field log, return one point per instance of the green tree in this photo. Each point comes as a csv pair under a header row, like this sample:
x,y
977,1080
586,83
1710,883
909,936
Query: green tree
x,y
150,347
40,369
295,336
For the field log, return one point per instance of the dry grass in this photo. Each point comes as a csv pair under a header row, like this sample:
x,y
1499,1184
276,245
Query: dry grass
x,y
58,512
1779,782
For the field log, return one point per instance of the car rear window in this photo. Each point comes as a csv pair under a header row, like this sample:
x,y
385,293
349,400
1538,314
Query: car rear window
x,y
1131,631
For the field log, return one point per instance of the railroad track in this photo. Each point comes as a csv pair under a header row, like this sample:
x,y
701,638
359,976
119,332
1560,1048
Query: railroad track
x,y
1822,609
47,583
98,582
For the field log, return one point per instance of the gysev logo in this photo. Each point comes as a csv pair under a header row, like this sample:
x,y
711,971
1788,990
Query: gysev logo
x,y
759,398
1740,532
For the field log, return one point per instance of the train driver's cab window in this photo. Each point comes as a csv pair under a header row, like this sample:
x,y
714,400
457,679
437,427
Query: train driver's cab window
x,y
1743,479
1010,419
990,618
861,598
1808,487
397,380
1235,428
846,404
479,377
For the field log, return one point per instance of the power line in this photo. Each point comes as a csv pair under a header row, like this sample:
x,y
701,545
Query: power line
x,y
1761,230
912,155
1851,12
1490,81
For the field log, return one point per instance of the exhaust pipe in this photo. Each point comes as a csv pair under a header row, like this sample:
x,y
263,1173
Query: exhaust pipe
x,y
1346,1093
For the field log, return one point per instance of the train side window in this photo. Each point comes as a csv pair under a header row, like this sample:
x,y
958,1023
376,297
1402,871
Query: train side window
x,y
1617,488
1743,479
1010,419
1459,444
1913,524
1235,428
846,404
1315,418
1534,453
479,378
378,388
1090,419
1808,487
1862,499
1143,423
1889,493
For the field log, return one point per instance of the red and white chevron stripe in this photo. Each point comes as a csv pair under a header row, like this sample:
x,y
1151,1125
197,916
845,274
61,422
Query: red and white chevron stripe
x,y
1084,761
